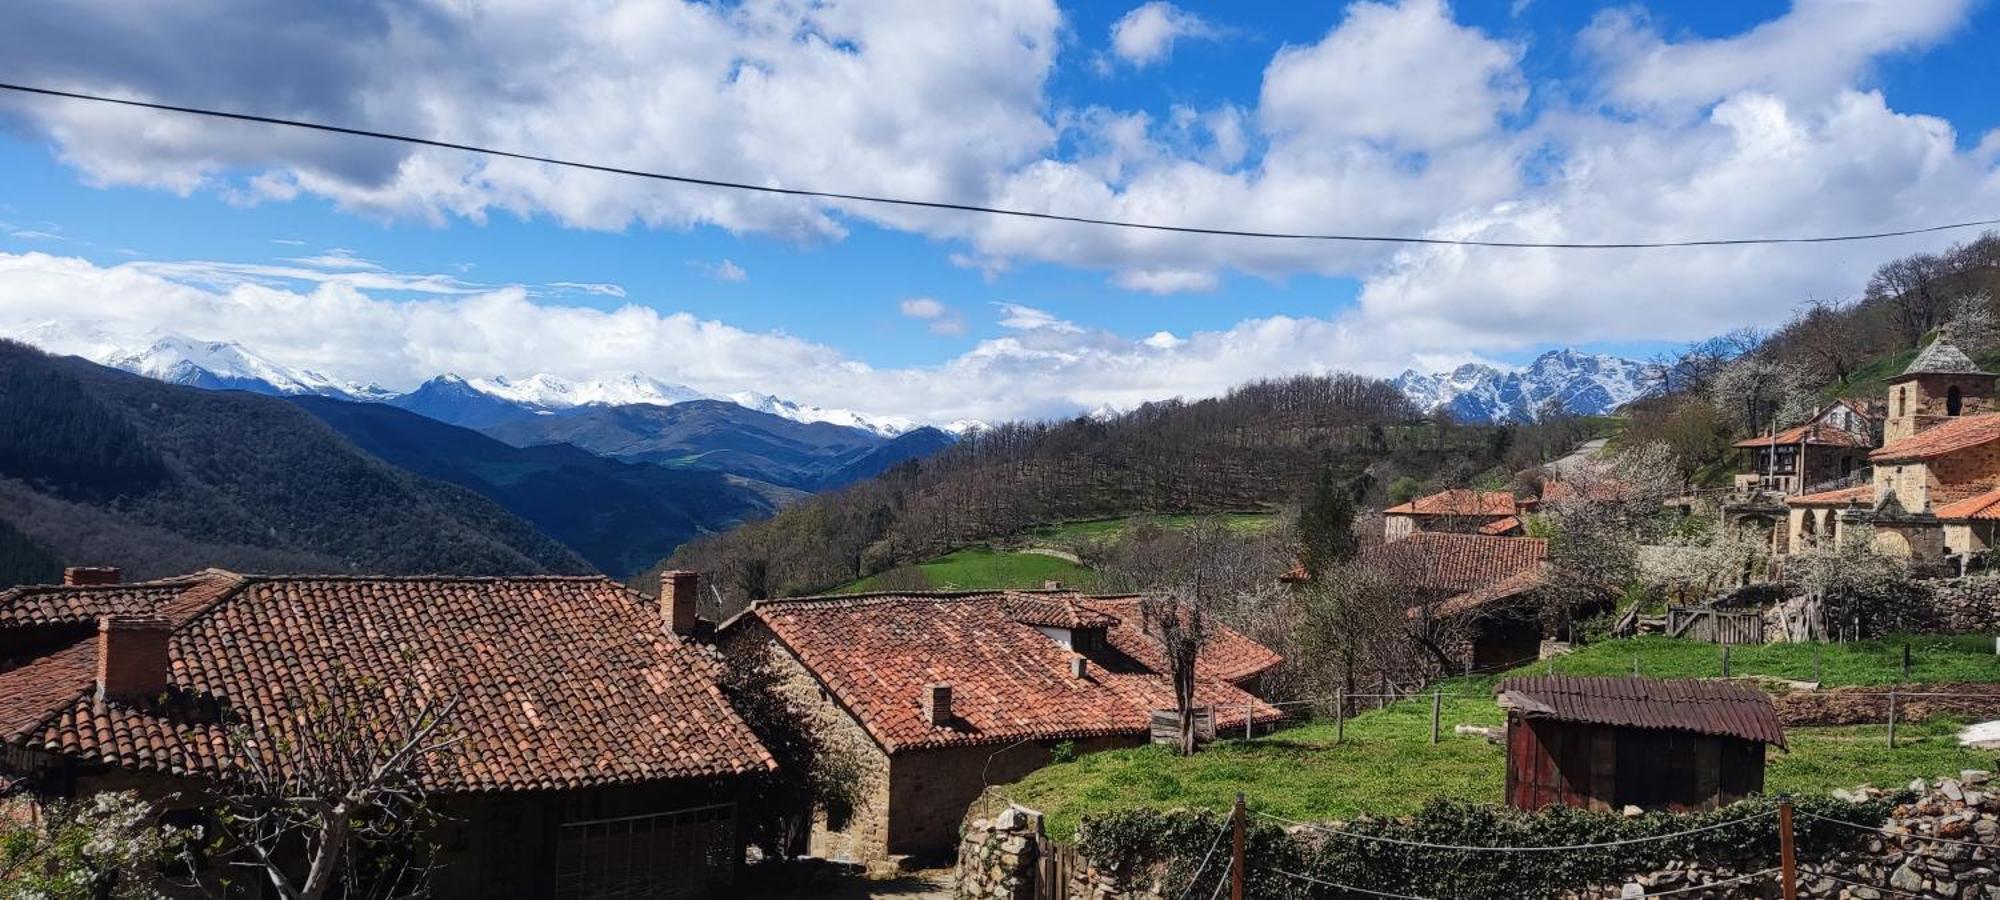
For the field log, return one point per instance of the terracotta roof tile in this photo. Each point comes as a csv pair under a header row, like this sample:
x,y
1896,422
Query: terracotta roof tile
x,y
1863,495
1501,526
1009,681
1981,507
1506,588
1809,433
1697,705
561,682
1459,502
1437,562
30,694
1942,439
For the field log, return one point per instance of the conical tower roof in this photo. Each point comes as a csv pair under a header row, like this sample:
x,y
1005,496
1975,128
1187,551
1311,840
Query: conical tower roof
x,y
1942,357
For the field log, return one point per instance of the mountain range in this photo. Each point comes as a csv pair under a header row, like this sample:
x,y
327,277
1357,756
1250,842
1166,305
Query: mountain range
x,y
1579,383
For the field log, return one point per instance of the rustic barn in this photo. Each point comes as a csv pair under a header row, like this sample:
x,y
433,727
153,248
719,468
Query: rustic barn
x,y
1608,743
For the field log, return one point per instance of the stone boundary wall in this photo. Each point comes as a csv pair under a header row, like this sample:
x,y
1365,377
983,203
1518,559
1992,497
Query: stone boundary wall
x,y
1869,704
999,857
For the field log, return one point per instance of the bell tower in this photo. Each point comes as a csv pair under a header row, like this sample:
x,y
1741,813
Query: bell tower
x,y
1941,384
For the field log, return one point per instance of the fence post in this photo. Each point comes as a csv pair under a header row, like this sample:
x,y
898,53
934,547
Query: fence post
x,y
1381,691
1892,718
1339,715
1787,854
1635,665
1249,712
1816,673
1725,660
1437,705
1236,870
1906,660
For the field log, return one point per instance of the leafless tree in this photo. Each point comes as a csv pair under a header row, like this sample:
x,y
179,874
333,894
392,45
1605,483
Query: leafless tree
x,y
335,795
1604,508
1912,289
1822,332
1177,620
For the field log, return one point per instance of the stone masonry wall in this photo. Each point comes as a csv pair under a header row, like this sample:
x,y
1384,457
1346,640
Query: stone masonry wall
x,y
998,858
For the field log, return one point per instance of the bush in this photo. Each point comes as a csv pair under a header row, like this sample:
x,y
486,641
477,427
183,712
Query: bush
x,y
1137,845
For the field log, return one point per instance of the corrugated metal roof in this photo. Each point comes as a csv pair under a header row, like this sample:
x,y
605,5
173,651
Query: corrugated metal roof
x,y
1696,705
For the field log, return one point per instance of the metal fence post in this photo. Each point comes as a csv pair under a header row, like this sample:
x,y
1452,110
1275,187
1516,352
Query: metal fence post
x,y
1339,715
1892,718
1437,705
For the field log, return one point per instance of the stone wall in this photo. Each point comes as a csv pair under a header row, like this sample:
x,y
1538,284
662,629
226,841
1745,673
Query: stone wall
x,y
1967,605
1903,864
999,858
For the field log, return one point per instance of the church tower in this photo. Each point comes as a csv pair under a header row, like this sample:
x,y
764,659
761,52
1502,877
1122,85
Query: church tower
x,y
1940,384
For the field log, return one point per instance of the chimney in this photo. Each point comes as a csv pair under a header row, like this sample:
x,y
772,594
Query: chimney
x,y
937,704
1079,668
680,595
1052,585
80,576
132,661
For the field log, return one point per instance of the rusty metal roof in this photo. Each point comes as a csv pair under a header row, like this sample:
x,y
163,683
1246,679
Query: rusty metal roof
x,y
1696,705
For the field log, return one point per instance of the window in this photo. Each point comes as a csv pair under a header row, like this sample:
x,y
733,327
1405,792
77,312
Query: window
x,y
1899,401
1953,402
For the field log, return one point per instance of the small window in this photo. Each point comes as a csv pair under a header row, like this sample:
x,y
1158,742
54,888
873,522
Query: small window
x,y
1899,401
1953,402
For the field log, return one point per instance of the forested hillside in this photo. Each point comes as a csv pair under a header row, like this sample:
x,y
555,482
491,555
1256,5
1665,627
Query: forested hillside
x,y
620,516
1258,446
102,467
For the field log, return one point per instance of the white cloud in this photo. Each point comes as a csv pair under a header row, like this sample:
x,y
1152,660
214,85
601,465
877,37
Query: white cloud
x,y
938,318
1028,318
921,308
336,258
1147,34
724,270
599,289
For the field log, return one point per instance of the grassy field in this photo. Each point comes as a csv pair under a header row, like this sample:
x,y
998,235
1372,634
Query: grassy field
x,y
1387,765
1933,658
1109,529
985,567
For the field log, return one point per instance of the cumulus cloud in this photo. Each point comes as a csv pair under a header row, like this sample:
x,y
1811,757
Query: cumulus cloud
x,y
724,270
1147,34
938,318
1399,119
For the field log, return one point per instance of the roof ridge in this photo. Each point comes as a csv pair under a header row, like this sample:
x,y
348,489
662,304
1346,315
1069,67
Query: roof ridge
x,y
868,598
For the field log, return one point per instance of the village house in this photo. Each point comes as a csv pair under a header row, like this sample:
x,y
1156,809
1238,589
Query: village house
x,y
1470,593
1830,446
1456,511
590,733
1609,743
1932,493
941,694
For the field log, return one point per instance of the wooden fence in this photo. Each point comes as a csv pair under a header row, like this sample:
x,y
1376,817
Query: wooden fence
x,y
1055,864
1167,725
1715,626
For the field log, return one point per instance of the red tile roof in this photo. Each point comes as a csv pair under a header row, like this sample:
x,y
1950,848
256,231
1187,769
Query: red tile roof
x,y
1505,589
1864,495
1438,562
560,682
1981,507
1942,439
876,652
1810,433
1458,502
1695,705
1501,526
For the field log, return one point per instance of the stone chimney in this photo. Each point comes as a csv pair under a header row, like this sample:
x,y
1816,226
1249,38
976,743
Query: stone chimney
x,y
132,661
1052,585
77,576
937,704
680,597
1079,667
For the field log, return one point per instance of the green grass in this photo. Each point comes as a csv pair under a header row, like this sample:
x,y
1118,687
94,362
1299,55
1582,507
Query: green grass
x,y
1110,529
985,567
1933,658
1387,767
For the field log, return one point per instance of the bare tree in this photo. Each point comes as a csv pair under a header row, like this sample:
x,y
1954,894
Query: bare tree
x,y
1601,510
1823,332
1177,620
335,795
1912,289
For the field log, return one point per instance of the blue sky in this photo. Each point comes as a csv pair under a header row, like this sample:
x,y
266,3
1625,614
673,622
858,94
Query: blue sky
x,y
1540,119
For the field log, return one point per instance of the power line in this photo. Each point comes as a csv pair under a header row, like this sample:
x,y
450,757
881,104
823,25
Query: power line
x,y
984,210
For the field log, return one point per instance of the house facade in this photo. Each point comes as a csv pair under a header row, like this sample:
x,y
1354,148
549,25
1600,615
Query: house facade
x,y
938,696
1830,446
1470,595
589,732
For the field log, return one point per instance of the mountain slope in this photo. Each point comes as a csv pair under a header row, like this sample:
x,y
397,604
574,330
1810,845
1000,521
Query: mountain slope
x,y
712,435
102,467
620,516
1577,383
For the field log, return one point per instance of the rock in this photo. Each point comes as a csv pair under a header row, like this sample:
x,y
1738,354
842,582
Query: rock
x,y
1845,796
1633,812
1906,879
1918,786
1974,776
1950,788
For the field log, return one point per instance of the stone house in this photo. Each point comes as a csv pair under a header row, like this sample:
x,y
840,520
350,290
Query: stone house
x,y
941,694
1932,492
590,732
1456,511
1830,446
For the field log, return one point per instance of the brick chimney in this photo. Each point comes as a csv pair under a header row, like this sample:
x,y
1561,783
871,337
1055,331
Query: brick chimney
x,y
937,704
132,661
91,575
680,597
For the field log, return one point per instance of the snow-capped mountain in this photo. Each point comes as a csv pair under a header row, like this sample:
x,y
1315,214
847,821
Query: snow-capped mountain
x,y
470,402
1580,383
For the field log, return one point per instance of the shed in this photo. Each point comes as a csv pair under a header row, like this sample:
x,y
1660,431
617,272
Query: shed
x,y
1606,743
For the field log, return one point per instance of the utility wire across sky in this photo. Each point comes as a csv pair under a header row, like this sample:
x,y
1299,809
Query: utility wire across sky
x,y
985,210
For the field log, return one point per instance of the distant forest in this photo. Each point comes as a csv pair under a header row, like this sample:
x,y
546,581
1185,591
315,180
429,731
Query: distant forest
x,y
1259,446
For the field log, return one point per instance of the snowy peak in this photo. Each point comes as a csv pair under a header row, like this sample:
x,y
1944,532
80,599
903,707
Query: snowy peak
x,y
551,392
1579,383
178,359
885,426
